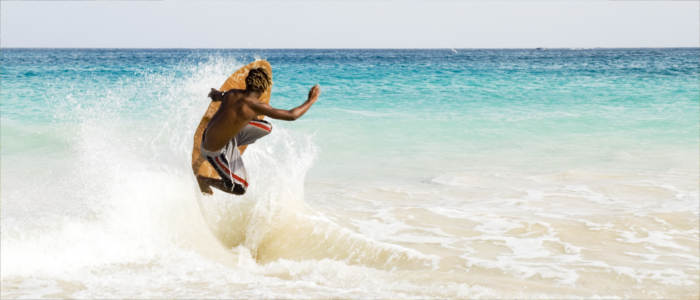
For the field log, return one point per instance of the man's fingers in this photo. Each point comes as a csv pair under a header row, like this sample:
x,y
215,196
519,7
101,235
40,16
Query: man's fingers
x,y
314,91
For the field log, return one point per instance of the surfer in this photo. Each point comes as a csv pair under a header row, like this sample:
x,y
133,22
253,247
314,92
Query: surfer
x,y
234,124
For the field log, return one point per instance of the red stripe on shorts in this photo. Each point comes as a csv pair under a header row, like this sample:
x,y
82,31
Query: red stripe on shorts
x,y
259,125
223,166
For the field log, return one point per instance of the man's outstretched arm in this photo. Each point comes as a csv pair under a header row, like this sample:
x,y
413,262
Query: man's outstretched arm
x,y
288,115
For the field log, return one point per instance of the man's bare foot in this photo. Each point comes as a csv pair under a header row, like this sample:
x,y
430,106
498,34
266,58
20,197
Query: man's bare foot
x,y
203,186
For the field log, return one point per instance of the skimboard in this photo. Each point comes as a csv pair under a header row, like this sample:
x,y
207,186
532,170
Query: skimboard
x,y
201,166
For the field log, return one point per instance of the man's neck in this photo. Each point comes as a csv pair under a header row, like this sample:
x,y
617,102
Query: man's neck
x,y
251,94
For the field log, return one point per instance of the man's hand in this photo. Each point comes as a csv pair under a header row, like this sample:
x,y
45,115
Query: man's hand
x,y
314,92
216,95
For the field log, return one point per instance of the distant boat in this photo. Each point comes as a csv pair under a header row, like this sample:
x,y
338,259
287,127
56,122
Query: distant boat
x,y
454,50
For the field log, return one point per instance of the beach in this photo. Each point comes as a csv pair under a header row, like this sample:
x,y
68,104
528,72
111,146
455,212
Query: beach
x,y
444,173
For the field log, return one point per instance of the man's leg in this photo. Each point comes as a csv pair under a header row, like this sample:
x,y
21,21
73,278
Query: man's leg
x,y
255,130
206,182
218,160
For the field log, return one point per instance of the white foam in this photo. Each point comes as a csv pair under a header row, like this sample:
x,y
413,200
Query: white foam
x,y
121,217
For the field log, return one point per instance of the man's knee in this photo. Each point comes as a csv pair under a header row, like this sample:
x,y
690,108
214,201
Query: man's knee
x,y
235,188
238,189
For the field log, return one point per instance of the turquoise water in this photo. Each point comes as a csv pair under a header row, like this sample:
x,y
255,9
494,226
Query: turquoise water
x,y
95,138
472,100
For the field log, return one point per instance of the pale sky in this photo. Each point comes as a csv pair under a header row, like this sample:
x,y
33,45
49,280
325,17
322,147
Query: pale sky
x,y
349,24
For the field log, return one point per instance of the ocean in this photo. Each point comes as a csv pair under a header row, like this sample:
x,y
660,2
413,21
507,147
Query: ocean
x,y
446,173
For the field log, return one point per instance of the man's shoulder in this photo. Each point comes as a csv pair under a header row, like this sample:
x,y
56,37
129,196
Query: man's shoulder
x,y
233,93
233,96
250,101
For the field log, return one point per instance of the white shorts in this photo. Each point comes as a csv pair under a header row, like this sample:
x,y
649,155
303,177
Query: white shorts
x,y
227,161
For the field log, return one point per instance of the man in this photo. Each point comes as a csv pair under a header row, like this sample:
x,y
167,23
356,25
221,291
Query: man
x,y
234,125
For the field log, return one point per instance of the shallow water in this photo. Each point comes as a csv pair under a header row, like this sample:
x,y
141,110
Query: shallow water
x,y
419,173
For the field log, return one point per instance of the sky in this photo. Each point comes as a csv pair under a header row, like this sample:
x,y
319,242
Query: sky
x,y
349,24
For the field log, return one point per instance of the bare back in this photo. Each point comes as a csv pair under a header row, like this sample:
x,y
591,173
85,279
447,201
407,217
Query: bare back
x,y
233,114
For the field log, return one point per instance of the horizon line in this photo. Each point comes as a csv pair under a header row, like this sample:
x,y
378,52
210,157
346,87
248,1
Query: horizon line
x,y
370,48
